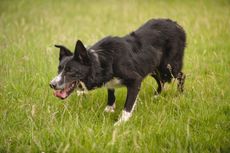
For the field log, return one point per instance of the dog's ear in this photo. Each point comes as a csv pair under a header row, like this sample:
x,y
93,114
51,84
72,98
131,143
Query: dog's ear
x,y
81,53
63,52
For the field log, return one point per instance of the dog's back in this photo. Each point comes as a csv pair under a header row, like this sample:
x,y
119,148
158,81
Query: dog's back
x,y
168,38
152,48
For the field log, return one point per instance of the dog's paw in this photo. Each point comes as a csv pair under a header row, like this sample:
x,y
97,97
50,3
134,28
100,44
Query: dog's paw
x,y
110,109
124,118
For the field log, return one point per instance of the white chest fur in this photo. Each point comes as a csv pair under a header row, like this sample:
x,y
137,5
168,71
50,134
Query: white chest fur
x,y
114,83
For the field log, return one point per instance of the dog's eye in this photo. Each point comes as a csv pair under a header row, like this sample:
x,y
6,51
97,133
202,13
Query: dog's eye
x,y
67,69
60,67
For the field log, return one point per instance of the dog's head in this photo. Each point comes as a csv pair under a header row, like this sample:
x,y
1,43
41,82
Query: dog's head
x,y
72,70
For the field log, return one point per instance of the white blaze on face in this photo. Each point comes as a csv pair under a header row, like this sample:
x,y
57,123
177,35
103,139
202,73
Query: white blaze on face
x,y
57,79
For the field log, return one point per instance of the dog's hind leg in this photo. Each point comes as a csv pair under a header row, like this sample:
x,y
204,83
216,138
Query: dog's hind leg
x,y
181,79
111,101
160,83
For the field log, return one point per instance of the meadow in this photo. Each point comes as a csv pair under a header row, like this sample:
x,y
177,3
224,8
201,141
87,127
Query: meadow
x,y
33,120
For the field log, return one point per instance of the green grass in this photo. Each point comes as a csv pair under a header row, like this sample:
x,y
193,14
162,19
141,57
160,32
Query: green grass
x,y
33,120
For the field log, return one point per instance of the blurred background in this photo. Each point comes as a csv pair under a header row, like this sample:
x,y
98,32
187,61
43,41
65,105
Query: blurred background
x,y
33,120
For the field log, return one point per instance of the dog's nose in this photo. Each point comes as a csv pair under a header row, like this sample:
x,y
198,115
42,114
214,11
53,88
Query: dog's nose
x,y
52,85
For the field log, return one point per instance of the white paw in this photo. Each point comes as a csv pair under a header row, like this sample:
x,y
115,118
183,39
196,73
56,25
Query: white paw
x,y
124,117
110,109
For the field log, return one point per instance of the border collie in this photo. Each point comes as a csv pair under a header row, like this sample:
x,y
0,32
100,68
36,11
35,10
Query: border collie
x,y
155,49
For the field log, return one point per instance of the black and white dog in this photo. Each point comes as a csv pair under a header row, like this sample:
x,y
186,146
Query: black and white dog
x,y
155,49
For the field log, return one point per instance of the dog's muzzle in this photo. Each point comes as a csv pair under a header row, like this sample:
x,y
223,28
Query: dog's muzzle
x,y
53,85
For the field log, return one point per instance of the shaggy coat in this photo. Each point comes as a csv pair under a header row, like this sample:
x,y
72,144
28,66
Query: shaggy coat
x,y
155,49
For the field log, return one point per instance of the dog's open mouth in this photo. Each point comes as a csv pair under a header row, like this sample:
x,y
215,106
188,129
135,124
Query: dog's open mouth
x,y
64,93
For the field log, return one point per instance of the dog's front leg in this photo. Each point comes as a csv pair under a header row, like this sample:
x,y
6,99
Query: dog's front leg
x,y
132,92
111,101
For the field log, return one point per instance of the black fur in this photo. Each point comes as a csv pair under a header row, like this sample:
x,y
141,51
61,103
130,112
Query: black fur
x,y
156,48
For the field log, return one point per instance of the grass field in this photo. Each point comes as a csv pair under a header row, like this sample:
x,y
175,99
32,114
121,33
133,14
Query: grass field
x,y
33,120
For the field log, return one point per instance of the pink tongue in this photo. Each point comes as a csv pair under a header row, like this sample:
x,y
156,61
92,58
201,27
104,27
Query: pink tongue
x,y
60,93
